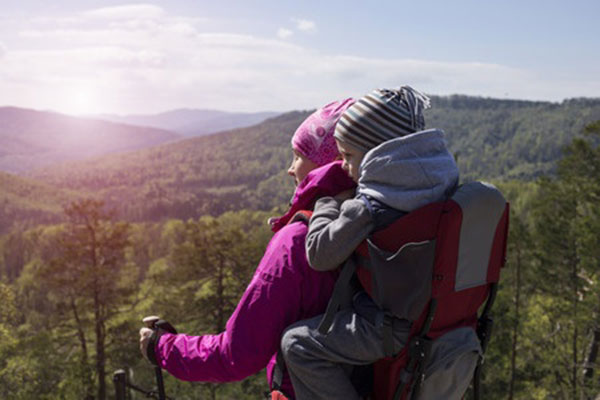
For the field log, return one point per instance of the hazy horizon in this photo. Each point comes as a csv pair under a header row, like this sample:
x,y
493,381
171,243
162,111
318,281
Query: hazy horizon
x,y
183,108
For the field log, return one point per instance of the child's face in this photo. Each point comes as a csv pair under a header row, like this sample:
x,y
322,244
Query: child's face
x,y
352,157
300,167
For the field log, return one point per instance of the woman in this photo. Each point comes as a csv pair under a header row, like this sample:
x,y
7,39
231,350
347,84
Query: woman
x,y
283,290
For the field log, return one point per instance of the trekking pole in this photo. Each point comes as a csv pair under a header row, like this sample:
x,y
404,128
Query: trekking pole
x,y
151,323
122,387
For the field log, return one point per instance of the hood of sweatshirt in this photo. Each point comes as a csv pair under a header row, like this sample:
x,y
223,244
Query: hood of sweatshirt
x,y
410,171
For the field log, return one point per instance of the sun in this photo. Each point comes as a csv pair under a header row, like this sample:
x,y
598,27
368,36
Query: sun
x,y
80,100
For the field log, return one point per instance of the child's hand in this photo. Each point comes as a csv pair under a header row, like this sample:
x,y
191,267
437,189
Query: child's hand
x,y
345,195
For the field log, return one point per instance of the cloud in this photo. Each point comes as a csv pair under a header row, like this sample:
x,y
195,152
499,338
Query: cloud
x,y
283,33
305,25
130,64
132,11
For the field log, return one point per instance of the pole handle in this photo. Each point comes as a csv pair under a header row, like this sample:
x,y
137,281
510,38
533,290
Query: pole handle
x,y
150,321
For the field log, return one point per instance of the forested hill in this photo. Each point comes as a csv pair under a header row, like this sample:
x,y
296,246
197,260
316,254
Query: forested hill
x,y
31,139
72,295
28,202
245,168
242,168
509,139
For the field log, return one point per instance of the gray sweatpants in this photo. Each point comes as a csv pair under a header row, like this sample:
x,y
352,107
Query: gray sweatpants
x,y
320,365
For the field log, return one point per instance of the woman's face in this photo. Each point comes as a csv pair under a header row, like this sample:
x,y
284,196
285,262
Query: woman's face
x,y
300,167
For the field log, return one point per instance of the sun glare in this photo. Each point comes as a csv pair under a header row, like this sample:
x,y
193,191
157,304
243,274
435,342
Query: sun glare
x,y
80,101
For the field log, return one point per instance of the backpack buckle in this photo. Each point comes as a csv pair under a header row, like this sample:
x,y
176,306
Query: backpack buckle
x,y
484,331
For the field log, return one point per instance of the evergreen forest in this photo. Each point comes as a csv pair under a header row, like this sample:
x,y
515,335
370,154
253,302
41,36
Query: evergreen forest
x,y
88,248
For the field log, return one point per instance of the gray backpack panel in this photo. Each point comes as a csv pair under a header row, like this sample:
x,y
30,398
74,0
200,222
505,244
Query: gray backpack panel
x,y
482,207
402,279
451,365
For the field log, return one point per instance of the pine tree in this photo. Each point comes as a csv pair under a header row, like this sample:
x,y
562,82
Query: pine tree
x,y
87,281
200,283
567,227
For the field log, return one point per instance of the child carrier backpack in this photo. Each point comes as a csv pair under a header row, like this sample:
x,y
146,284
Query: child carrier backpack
x,y
435,266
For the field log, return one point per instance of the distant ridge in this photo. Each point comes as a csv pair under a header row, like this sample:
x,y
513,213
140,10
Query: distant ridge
x,y
245,168
31,139
193,122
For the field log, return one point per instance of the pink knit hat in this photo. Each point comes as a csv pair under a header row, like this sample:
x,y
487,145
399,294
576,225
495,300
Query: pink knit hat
x,y
314,137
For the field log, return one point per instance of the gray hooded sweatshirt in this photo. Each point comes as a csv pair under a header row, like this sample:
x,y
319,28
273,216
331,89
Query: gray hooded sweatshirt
x,y
405,173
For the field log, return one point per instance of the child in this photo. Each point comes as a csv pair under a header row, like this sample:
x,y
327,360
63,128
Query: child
x,y
399,167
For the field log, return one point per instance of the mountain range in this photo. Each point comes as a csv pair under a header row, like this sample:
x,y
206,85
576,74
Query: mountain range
x,y
31,139
245,168
192,122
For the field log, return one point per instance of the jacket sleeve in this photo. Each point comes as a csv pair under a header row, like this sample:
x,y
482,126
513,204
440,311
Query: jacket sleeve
x,y
270,303
335,230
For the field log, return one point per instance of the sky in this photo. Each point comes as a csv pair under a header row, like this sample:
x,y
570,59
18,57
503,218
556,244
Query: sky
x,y
100,56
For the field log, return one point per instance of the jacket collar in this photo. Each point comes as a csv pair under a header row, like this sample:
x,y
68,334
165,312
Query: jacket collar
x,y
327,180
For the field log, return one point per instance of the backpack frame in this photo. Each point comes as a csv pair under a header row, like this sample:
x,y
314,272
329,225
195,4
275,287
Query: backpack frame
x,y
434,266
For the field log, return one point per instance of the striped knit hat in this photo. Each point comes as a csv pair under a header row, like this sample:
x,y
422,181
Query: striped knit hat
x,y
382,115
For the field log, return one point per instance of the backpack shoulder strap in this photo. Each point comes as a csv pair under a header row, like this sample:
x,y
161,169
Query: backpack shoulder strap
x,y
341,286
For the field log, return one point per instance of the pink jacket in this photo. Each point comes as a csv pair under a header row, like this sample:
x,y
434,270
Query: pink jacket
x,y
284,290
